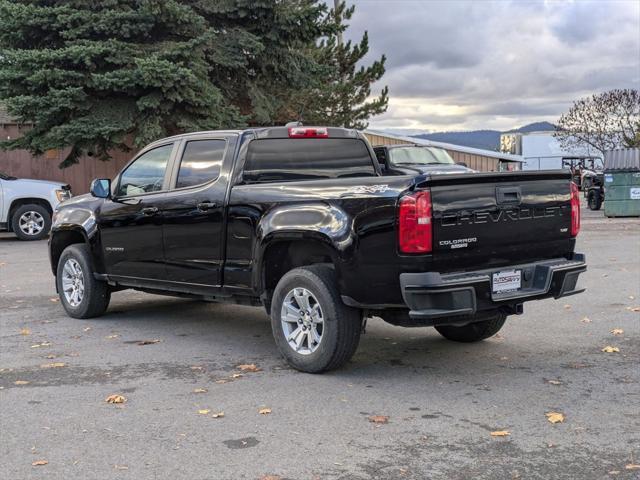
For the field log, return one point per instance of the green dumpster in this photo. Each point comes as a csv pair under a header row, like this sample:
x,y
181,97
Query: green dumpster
x,y
622,183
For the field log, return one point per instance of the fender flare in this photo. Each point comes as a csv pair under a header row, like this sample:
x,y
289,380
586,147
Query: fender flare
x,y
315,222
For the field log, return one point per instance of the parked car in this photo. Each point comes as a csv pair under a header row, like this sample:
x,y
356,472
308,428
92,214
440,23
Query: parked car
x,y
411,159
300,221
26,205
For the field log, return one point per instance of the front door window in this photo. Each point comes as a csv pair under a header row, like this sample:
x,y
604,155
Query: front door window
x,y
146,173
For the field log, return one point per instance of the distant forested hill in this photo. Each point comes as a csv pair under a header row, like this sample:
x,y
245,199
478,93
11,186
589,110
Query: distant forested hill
x,y
485,139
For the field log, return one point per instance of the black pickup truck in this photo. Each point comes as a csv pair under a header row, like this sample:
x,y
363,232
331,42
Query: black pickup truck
x,y
301,221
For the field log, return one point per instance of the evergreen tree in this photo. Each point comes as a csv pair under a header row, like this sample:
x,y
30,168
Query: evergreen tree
x,y
108,74
263,56
341,98
90,74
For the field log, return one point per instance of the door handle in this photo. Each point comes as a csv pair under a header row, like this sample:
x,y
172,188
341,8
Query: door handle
x,y
149,210
508,195
206,206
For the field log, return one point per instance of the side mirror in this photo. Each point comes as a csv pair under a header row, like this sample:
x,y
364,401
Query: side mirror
x,y
101,188
462,164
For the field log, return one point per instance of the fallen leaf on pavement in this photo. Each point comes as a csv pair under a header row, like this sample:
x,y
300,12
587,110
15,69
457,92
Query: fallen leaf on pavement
x,y
54,299
270,477
617,331
567,307
379,419
634,309
218,415
501,433
112,336
196,367
632,466
554,382
199,390
248,367
121,467
204,411
264,411
25,331
586,320
115,399
43,344
610,349
555,417
148,342
237,375
37,463
222,380
86,329
53,365
21,382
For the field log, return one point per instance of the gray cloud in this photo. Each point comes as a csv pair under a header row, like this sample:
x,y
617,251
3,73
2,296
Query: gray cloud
x,y
496,64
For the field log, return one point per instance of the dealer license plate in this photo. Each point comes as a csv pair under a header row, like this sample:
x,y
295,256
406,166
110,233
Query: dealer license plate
x,y
507,281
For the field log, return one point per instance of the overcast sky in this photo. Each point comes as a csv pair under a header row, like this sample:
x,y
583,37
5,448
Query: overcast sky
x,y
464,65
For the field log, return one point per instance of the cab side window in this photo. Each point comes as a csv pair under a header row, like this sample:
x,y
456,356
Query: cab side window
x,y
201,162
146,173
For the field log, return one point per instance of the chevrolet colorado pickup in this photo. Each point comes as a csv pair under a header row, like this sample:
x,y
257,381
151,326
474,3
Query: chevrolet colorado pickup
x,y
301,221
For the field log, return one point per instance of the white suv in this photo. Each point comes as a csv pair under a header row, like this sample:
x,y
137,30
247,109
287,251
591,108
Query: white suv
x,y
26,205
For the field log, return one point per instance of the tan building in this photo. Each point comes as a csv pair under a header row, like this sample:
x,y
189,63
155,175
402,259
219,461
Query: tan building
x,y
476,158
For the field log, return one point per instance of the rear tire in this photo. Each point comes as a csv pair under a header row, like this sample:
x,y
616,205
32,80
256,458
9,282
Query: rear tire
x,y
473,332
306,302
31,222
81,295
594,200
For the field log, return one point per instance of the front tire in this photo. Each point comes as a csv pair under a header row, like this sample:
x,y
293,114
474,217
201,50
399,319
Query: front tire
x,y
313,329
81,295
31,222
473,332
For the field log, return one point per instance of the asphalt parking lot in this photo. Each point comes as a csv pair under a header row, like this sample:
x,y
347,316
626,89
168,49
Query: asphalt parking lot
x,y
442,399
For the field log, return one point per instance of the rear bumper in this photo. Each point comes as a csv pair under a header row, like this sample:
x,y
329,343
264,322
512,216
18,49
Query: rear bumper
x,y
432,295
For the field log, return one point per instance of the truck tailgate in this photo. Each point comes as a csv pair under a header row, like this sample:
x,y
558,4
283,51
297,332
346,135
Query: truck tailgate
x,y
501,217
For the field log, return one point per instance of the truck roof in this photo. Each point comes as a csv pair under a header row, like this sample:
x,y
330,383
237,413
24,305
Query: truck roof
x,y
276,132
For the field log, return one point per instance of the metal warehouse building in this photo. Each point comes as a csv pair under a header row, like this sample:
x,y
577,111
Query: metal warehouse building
x,y
476,158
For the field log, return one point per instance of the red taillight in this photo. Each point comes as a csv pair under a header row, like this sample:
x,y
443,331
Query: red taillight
x,y
308,132
414,223
575,210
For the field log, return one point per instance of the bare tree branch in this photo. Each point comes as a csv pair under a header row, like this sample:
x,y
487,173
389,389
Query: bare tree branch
x,y
604,121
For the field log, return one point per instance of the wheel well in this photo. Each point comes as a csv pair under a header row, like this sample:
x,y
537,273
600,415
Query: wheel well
x,y
17,203
287,255
60,241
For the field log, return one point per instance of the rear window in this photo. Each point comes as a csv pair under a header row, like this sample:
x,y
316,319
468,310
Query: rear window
x,y
284,159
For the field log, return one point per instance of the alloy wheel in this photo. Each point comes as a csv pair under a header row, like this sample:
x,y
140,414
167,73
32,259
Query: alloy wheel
x,y
31,223
302,321
73,282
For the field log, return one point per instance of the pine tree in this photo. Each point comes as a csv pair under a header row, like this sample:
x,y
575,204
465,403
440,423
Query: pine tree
x,y
91,74
107,74
263,57
342,97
